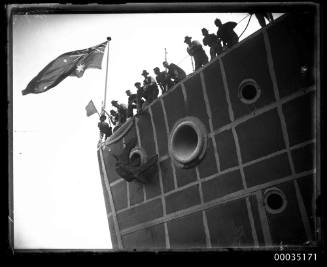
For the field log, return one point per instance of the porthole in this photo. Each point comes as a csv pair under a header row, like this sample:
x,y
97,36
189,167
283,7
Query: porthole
x,y
137,156
249,91
188,142
274,200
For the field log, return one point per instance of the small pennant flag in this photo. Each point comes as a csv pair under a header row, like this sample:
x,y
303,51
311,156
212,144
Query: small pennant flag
x,y
90,109
69,64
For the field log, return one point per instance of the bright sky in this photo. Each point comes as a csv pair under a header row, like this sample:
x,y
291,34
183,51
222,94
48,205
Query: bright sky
x,y
58,199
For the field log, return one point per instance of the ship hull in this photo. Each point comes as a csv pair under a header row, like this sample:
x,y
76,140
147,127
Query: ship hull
x,y
236,147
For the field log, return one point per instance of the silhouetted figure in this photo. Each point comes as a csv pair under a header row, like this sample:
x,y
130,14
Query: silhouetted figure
x,y
122,112
261,18
134,102
105,129
213,42
195,50
150,88
163,80
113,117
174,72
226,33
140,93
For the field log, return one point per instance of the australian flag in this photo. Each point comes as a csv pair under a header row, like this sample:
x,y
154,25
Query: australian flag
x,y
69,64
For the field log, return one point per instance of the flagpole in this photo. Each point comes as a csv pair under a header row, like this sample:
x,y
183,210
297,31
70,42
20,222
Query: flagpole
x,y
105,88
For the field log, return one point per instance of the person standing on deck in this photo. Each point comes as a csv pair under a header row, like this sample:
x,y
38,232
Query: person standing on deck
x,y
163,80
175,73
213,42
150,88
226,33
105,129
195,50
134,102
122,111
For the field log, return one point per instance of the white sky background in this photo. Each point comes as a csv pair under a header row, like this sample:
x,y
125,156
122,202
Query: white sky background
x,y
58,198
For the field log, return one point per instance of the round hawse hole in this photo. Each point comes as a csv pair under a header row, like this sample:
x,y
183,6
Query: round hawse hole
x,y
185,142
188,142
136,158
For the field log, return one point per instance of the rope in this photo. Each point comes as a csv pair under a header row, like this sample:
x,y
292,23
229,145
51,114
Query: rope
x,y
243,18
246,26
182,60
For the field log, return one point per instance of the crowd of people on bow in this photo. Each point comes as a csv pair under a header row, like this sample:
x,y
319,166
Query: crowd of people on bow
x,y
148,91
145,94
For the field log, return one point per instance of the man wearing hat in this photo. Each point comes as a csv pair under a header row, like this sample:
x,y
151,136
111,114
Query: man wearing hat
x,y
163,80
226,33
122,111
174,72
139,88
195,50
213,42
105,129
150,88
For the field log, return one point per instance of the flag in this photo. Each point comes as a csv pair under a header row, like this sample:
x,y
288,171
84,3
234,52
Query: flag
x,y
69,64
90,109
